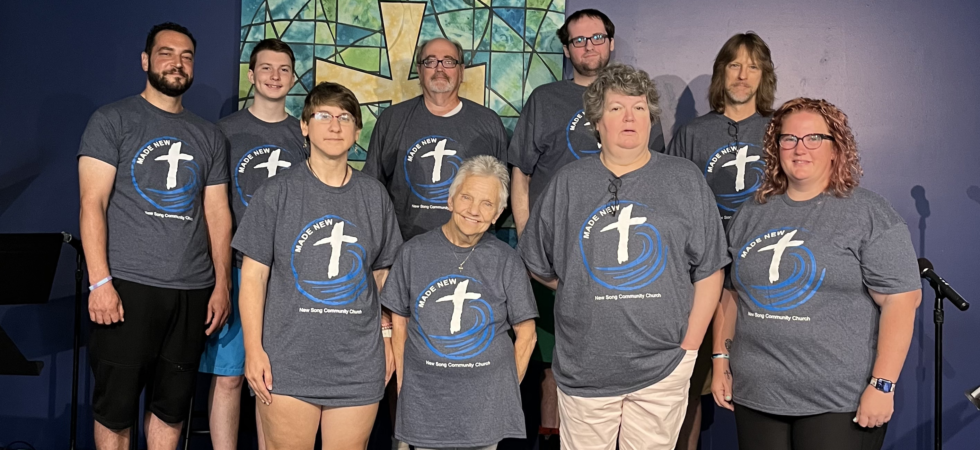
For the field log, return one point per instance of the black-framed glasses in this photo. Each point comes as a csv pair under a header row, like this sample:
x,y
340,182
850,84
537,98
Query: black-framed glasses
x,y
614,185
325,117
811,141
431,63
597,39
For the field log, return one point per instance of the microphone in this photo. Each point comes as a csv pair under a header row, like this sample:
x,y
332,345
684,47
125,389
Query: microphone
x,y
974,396
942,287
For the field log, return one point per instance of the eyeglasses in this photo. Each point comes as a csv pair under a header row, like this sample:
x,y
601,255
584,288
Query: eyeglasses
x,y
597,39
325,117
614,185
811,141
431,63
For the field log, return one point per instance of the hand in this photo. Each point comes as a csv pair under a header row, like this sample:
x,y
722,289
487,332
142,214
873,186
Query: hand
x,y
104,305
875,408
389,362
258,372
721,383
219,308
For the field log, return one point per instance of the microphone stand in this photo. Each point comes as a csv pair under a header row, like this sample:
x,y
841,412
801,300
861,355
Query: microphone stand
x,y
938,316
79,264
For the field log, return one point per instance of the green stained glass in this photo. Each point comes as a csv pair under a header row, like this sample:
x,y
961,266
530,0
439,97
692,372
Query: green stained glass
x,y
360,13
458,26
302,32
505,38
323,34
366,59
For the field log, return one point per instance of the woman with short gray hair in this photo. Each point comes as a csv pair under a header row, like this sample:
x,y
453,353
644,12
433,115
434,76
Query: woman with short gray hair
x,y
633,245
454,292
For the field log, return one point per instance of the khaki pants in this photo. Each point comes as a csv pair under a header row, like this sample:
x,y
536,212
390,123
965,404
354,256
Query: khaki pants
x,y
647,419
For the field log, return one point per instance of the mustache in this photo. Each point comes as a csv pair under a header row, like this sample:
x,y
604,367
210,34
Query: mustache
x,y
176,70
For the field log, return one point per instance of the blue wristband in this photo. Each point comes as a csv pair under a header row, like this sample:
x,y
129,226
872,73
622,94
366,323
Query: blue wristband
x,y
720,356
100,283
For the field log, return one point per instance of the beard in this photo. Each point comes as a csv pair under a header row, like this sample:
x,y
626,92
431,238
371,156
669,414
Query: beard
x,y
734,98
439,84
171,89
590,68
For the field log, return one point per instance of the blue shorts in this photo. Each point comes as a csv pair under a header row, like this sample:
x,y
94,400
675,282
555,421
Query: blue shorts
x,y
224,352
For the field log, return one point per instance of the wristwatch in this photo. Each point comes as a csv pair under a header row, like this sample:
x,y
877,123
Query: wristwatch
x,y
883,385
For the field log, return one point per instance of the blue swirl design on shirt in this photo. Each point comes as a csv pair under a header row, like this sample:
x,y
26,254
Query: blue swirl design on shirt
x,y
754,174
581,131
790,292
246,196
433,192
635,273
467,343
340,290
179,199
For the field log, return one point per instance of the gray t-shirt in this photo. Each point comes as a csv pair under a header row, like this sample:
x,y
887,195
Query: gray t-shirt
x,y
460,387
728,153
807,328
156,230
553,131
322,327
416,155
625,286
258,151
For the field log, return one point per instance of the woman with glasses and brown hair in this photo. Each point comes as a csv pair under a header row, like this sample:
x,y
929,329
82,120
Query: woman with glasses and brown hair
x,y
318,241
632,243
825,290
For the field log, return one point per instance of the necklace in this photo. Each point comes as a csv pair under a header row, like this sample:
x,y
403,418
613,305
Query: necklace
x,y
453,251
346,174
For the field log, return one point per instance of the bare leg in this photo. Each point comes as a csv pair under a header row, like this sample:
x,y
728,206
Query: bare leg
x,y
289,423
106,439
224,405
347,428
258,428
691,428
549,400
161,435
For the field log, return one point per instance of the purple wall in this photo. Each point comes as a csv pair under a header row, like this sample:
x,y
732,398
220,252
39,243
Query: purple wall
x,y
904,72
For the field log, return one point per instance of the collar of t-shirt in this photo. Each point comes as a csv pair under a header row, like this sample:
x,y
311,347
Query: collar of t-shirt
x,y
455,110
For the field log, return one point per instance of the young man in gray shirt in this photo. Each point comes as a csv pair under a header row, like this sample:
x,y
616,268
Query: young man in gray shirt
x,y
153,181
264,141
552,132
417,145
726,144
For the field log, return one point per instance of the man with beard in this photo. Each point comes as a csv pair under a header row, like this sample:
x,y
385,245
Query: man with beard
x,y
418,145
726,144
552,132
153,183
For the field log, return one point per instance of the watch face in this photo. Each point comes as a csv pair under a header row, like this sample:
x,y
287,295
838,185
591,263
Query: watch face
x,y
884,385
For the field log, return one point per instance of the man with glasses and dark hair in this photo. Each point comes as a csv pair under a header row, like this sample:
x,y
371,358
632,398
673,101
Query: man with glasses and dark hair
x,y
153,185
552,132
726,144
264,141
418,145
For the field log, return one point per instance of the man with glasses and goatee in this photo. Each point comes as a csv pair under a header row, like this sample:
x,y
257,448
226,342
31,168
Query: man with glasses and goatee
x,y
418,145
551,133
726,144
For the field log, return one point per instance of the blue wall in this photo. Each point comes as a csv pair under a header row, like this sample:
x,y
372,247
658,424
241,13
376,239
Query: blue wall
x,y
64,60
904,71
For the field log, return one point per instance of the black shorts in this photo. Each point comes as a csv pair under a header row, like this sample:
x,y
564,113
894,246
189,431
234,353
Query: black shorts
x,y
763,431
157,346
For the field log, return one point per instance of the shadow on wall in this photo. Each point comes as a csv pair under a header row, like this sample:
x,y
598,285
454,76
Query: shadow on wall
x,y
681,102
924,363
973,192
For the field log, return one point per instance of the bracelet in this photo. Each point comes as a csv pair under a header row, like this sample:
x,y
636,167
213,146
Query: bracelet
x,y
100,283
720,356
386,326
386,332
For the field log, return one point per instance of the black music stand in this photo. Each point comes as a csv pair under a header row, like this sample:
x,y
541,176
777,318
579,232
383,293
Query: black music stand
x,y
29,261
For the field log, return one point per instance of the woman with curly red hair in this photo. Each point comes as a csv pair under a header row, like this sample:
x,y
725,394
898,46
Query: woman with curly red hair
x,y
826,283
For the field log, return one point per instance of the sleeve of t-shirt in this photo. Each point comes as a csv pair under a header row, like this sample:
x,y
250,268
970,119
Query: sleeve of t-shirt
x,y
536,245
372,163
707,248
101,139
218,174
521,305
257,232
500,140
888,261
392,235
394,294
522,153
656,137
678,144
